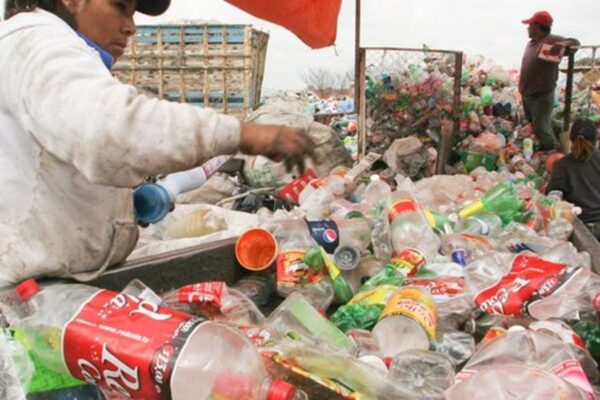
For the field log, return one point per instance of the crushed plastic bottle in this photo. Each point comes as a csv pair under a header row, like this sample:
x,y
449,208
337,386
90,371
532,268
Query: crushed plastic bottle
x,y
218,355
485,224
526,284
535,355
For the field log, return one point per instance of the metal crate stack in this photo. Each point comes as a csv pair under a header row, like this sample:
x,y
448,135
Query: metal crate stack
x,y
217,66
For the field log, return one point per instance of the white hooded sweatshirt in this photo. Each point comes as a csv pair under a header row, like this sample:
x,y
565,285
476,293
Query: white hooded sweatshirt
x,y
74,141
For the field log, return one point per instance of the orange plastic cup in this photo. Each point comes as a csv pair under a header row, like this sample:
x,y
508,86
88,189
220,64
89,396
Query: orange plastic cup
x,y
256,249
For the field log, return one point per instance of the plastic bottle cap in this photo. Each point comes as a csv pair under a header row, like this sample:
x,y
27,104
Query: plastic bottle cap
x,y
281,390
388,361
256,249
346,258
27,289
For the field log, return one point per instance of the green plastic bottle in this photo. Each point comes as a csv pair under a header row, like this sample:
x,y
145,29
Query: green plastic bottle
x,y
341,288
501,199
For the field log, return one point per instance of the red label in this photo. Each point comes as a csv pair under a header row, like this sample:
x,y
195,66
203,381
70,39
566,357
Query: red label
x,y
529,280
401,207
291,191
409,259
442,287
126,346
203,293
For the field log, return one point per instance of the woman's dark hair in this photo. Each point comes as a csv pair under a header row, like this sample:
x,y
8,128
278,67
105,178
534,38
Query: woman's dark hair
x,y
583,136
13,7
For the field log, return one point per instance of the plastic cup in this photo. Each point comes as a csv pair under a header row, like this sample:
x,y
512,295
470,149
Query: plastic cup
x,y
256,249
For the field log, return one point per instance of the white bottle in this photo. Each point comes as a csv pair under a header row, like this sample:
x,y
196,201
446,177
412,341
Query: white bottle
x,y
132,348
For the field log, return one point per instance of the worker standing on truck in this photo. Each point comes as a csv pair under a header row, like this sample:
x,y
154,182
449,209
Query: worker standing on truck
x,y
539,72
75,141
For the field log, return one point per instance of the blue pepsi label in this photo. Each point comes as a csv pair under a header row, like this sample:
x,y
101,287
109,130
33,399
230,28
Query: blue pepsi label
x,y
326,234
460,257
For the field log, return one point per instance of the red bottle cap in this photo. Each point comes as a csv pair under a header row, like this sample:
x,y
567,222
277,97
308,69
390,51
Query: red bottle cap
x,y
281,390
388,361
27,289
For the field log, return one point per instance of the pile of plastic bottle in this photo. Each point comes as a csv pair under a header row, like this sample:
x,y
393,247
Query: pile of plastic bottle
x,y
332,105
415,99
453,287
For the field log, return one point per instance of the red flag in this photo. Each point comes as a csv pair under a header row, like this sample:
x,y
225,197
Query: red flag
x,y
313,21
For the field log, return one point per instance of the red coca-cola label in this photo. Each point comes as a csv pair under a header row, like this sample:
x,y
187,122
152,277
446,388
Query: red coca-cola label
x,y
125,345
529,280
210,293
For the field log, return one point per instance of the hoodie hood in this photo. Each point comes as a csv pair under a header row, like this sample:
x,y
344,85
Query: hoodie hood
x,y
30,19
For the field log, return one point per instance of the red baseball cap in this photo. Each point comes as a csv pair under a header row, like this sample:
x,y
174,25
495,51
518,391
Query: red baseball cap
x,y
541,17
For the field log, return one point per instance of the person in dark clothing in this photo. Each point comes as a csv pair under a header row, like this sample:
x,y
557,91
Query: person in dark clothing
x,y
538,77
577,175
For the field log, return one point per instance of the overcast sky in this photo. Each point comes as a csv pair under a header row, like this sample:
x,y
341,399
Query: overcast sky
x,y
490,28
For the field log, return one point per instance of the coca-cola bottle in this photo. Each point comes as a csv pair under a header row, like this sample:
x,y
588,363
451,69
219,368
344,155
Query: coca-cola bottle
x,y
136,349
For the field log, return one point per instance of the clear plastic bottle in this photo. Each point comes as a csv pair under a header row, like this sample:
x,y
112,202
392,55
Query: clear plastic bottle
x,y
485,224
465,248
294,274
377,190
426,373
537,361
509,382
506,284
297,317
412,236
408,322
66,322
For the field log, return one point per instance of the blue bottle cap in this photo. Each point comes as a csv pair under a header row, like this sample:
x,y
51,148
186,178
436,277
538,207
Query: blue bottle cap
x,y
152,203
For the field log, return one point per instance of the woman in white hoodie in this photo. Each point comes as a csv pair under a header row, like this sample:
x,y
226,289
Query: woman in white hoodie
x,y
74,141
